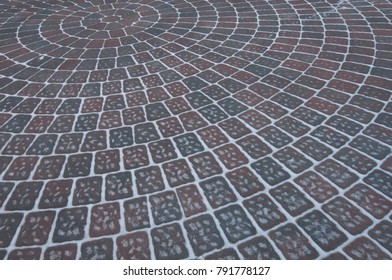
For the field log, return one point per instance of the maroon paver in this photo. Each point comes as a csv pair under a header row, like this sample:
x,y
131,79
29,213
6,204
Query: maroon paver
x,y
208,129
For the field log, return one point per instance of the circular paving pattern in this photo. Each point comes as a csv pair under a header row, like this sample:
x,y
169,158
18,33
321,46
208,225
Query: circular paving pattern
x,y
195,129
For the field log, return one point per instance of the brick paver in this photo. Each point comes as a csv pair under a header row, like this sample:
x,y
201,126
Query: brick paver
x,y
195,129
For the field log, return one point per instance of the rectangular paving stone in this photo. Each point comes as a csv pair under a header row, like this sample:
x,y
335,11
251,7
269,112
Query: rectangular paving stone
x,y
355,160
313,148
169,242
271,109
275,136
292,243
235,223
258,248
213,113
70,224
363,248
382,233
270,171
338,174
136,214
344,125
371,201
381,181
292,159
205,165
133,246
255,119
330,136
178,172
191,200
292,126
379,133
356,114
291,199
36,228
18,144
264,211
254,147
225,254
316,186
245,181
230,156
347,215
25,254
203,234
324,232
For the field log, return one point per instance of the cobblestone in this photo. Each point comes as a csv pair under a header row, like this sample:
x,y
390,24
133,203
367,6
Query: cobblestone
x,y
182,129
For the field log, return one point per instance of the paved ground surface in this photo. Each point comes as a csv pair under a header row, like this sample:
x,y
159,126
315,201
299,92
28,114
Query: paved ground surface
x,y
195,129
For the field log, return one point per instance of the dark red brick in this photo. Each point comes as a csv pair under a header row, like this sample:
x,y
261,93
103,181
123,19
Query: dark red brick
x,y
258,248
382,233
136,214
25,254
205,165
316,186
363,248
105,219
36,228
338,174
55,194
191,200
87,191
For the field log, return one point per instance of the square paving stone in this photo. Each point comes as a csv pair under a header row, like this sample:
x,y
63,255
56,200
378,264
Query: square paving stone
x,y
258,248
146,133
78,165
165,207
94,141
270,171
162,151
100,249
118,185
374,203
121,137
169,242
218,191
264,211
61,252
191,200
188,144
245,181
107,161
363,248
36,228
192,121
215,92
254,147
324,232
134,246
87,191
156,111
382,233
104,219
49,168
135,157
291,199
70,224
86,122
198,99
10,223
62,124
205,165
69,143
347,215
24,196
55,194
136,214
235,223
149,180
232,106
338,174
178,173
292,243
203,234
177,105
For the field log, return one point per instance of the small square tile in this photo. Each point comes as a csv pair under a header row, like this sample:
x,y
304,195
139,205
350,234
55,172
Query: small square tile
x,y
169,242
104,219
165,207
136,214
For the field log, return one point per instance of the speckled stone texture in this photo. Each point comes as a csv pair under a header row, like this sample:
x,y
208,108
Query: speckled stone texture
x,y
209,129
